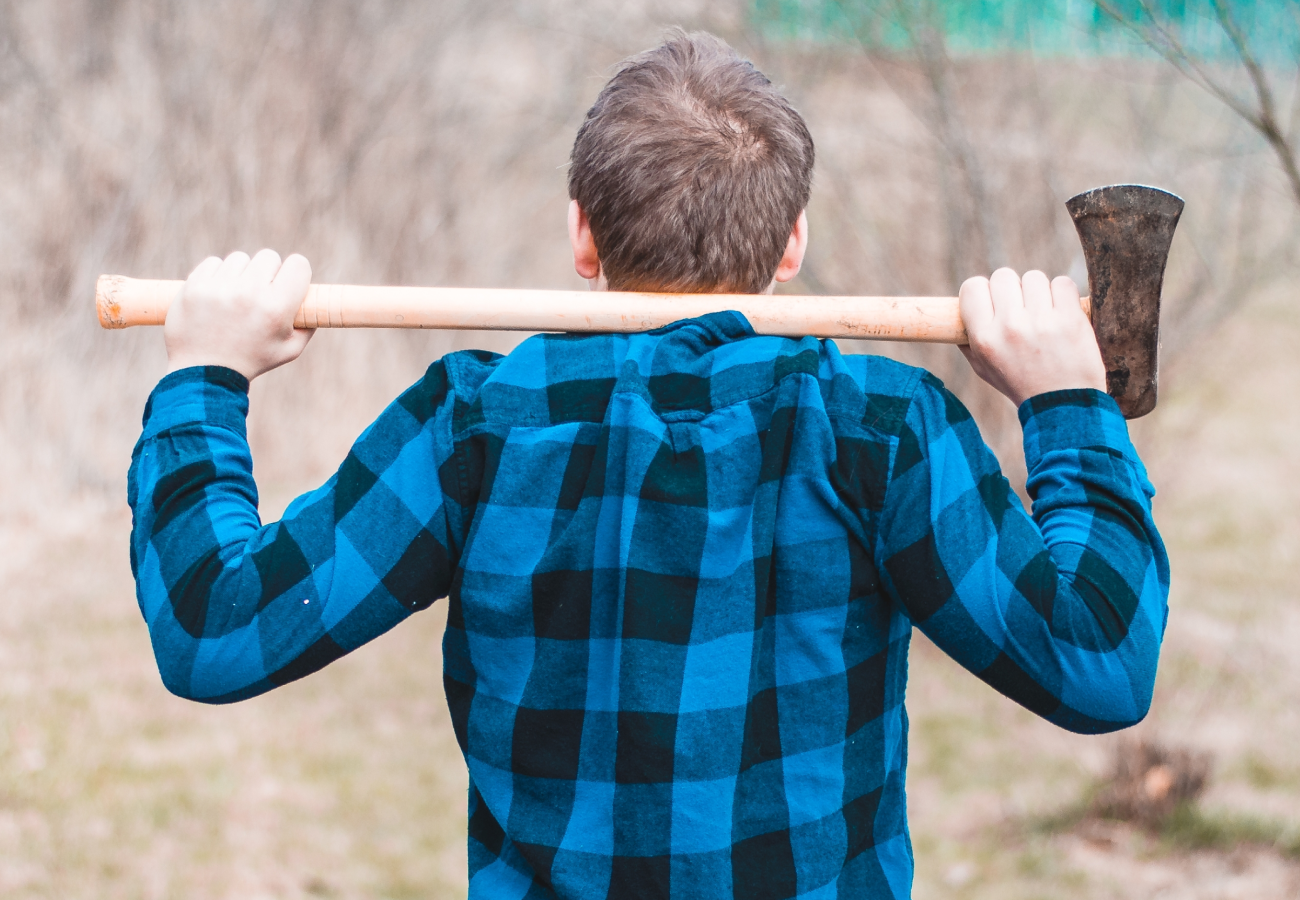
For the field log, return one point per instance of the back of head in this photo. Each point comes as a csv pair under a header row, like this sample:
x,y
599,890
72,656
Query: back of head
x,y
691,169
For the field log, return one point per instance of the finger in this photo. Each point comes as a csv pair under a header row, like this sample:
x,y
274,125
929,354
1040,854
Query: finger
x,y
262,267
976,305
232,266
1065,294
1008,297
291,282
1037,291
205,269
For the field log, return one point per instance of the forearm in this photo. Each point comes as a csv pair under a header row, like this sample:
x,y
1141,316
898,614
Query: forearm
x,y
1092,505
1063,612
236,608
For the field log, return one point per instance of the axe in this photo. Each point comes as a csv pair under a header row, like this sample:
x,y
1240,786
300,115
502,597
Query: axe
x,y
1125,230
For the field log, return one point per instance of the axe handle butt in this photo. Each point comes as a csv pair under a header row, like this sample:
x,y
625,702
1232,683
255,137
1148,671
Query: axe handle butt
x,y
123,302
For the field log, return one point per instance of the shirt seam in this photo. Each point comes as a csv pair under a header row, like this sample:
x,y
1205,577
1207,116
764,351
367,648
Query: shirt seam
x,y
837,411
877,551
458,450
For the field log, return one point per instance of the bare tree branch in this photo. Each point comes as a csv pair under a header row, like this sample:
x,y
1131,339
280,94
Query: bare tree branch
x,y
931,51
1261,114
978,214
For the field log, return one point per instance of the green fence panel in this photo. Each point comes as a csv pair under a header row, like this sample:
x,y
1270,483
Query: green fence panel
x,y
1043,27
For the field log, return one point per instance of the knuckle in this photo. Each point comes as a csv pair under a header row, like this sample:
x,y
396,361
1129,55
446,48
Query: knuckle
x,y
1017,333
270,320
982,341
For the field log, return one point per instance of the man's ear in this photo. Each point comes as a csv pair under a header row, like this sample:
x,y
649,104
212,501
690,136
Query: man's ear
x,y
585,261
795,248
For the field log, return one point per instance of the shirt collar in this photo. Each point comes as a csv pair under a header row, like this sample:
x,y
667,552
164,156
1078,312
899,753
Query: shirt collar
x,y
716,327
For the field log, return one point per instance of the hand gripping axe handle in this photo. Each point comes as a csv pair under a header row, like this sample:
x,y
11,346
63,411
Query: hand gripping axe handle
x,y
1125,231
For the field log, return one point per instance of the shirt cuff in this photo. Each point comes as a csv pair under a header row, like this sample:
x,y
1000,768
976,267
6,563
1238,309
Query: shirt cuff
x,y
1072,420
210,395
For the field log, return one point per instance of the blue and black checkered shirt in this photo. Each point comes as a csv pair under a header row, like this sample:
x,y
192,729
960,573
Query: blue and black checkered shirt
x,y
682,570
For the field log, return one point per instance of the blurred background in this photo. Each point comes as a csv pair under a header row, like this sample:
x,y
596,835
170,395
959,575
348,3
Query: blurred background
x,y
426,143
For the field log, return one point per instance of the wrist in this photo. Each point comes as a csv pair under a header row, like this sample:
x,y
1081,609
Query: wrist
x,y
216,375
180,361
1074,425
1078,397
1022,393
212,394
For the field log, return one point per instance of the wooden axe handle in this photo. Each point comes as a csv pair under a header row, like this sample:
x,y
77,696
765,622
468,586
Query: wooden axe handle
x,y
123,302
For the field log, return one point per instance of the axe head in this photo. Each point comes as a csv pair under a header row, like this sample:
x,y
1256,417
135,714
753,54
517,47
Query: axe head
x,y
1126,230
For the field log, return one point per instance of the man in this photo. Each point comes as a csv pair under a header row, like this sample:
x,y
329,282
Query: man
x,y
682,566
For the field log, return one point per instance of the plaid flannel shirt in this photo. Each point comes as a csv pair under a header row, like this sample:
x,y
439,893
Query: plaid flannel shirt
x,y
683,568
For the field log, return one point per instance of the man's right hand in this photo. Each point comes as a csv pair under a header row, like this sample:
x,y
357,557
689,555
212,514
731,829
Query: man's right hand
x,y
238,313
1028,337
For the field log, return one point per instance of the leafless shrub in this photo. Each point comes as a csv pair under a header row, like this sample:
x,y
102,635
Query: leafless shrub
x,y
933,167
401,142
1257,105
1150,780
390,142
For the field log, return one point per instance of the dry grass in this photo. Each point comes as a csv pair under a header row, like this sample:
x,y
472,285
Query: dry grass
x,y
349,785
419,143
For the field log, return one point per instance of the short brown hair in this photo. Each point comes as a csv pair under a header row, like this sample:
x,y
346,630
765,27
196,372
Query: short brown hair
x,y
692,170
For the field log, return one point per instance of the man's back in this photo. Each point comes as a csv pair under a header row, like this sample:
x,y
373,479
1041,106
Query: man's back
x,y
682,567
668,656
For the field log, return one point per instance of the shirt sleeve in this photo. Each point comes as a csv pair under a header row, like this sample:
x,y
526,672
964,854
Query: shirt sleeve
x,y
1063,612
236,608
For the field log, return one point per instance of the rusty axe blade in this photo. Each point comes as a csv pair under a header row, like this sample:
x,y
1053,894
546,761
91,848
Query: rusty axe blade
x,y
1126,230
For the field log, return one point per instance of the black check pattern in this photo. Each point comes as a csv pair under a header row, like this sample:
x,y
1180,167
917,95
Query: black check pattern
x,y
682,570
